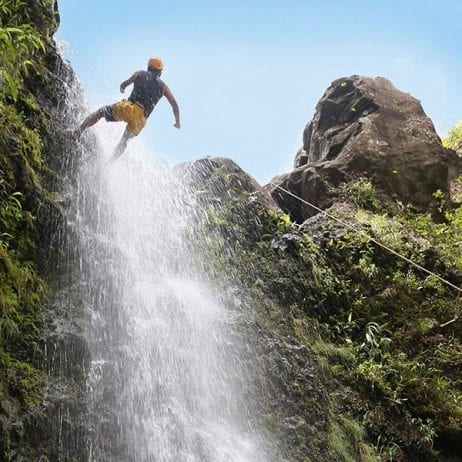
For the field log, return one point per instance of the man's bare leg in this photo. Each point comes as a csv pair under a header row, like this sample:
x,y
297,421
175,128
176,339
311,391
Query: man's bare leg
x,y
121,146
89,121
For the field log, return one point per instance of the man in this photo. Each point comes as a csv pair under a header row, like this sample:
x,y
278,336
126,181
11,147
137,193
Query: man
x,y
148,89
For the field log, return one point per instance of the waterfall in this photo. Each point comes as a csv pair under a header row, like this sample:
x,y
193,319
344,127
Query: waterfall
x,y
165,376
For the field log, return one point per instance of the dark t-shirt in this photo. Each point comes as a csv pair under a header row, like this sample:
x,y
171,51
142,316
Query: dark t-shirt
x,y
148,89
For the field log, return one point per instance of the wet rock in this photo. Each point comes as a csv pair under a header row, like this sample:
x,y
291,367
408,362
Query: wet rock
x,y
365,127
212,171
286,243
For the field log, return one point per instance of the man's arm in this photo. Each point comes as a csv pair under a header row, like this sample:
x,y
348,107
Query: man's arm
x,y
176,110
129,81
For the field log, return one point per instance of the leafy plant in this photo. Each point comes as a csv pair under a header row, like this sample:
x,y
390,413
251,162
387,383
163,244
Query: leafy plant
x,y
20,42
375,342
362,193
453,139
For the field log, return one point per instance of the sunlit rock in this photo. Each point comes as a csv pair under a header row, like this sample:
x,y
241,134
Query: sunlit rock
x,y
365,127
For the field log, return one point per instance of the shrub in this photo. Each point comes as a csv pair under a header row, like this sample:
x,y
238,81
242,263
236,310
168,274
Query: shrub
x,y
453,139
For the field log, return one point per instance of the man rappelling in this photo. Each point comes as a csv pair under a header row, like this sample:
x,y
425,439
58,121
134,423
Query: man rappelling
x,y
148,89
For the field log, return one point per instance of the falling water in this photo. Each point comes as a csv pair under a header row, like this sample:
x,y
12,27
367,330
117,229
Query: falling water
x,y
162,381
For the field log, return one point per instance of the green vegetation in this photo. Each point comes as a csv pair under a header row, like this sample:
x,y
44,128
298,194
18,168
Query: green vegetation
x,y
346,438
387,334
362,194
453,139
399,327
24,32
25,29
22,292
445,236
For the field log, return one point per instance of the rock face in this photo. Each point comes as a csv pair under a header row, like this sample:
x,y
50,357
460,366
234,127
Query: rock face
x,y
44,364
365,127
303,287
290,393
203,170
310,297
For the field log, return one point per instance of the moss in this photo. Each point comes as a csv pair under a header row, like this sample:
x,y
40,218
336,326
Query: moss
x,y
272,251
393,328
347,440
453,139
362,193
372,320
340,444
23,292
334,353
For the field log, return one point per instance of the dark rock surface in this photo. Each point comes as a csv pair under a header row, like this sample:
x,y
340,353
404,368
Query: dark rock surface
x,y
202,170
289,387
365,127
55,428
303,289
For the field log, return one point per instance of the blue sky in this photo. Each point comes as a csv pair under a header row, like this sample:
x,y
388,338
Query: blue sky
x,y
248,74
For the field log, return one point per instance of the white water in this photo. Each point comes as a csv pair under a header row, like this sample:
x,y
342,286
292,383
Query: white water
x,y
162,383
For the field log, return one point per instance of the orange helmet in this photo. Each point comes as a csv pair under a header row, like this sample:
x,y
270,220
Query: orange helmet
x,y
156,63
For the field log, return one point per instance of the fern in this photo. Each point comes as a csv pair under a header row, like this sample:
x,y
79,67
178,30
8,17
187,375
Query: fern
x,y
20,43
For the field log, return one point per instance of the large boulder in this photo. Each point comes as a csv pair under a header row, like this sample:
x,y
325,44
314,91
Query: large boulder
x,y
365,127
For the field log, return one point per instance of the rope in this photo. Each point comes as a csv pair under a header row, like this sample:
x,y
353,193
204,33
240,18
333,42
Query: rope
x,y
92,67
109,83
371,239
347,225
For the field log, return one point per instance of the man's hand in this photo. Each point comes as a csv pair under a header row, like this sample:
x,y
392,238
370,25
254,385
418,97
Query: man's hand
x,y
177,125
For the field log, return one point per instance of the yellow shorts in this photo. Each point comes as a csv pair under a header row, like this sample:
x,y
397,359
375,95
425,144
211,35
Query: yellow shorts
x,y
131,113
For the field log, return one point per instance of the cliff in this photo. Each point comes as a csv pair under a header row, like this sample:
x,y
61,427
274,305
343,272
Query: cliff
x,y
34,110
362,349
357,351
